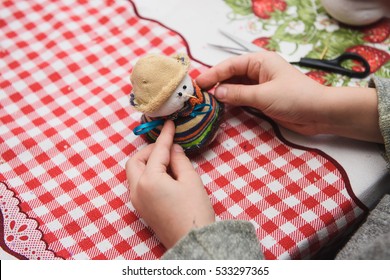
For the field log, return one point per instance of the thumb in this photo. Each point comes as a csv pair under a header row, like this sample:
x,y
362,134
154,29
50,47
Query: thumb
x,y
239,95
180,164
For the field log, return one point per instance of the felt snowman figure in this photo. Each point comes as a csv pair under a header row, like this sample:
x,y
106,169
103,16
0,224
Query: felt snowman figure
x,y
162,89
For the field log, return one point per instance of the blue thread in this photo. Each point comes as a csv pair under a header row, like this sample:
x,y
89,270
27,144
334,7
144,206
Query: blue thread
x,y
198,110
146,127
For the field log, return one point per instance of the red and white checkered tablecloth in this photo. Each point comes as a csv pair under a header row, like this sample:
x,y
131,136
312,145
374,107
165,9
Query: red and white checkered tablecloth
x,y
66,133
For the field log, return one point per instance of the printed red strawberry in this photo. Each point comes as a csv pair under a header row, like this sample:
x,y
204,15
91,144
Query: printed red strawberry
x,y
263,42
318,76
375,57
264,8
377,32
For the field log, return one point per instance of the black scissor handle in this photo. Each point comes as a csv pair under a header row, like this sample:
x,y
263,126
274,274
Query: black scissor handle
x,y
334,65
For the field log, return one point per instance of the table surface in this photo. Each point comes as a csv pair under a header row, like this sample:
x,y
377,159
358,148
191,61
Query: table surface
x,y
66,132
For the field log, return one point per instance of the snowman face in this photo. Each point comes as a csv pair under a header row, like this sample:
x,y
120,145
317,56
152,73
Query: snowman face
x,y
176,101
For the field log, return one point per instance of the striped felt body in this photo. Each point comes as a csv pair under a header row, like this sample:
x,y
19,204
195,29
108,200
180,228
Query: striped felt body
x,y
193,133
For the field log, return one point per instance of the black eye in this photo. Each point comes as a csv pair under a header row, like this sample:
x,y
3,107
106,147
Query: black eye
x,y
180,94
184,87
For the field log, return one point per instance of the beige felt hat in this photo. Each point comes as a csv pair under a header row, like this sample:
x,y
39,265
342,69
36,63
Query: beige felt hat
x,y
155,77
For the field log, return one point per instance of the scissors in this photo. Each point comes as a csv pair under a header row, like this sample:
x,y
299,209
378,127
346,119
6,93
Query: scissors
x,y
332,65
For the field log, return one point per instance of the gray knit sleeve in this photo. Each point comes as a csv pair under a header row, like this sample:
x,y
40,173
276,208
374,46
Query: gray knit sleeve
x,y
382,86
372,239
234,240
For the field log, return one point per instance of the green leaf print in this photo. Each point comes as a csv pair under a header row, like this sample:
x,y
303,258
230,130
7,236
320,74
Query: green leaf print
x,y
306,11
307,27
384,71
336,43
240,7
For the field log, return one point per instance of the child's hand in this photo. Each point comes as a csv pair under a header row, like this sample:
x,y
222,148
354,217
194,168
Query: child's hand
x,y
270,84
166,190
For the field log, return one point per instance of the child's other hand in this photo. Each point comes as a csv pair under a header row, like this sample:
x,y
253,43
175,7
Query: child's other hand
x,y
166,190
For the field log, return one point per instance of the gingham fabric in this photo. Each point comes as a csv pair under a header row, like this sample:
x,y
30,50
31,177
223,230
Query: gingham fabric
x,y
66,133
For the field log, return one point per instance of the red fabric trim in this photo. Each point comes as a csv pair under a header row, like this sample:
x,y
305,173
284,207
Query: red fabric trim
x,y
3,244
163,25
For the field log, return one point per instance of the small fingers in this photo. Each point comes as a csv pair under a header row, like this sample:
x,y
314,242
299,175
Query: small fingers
x,y
235,66
160,155
180,163
239,95
136,165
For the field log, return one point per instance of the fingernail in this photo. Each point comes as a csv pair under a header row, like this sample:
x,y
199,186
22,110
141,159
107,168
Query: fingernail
x,y
220,92
177,148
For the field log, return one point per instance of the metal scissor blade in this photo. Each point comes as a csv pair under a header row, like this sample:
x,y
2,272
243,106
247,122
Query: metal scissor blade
x,y
249,47
228,49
